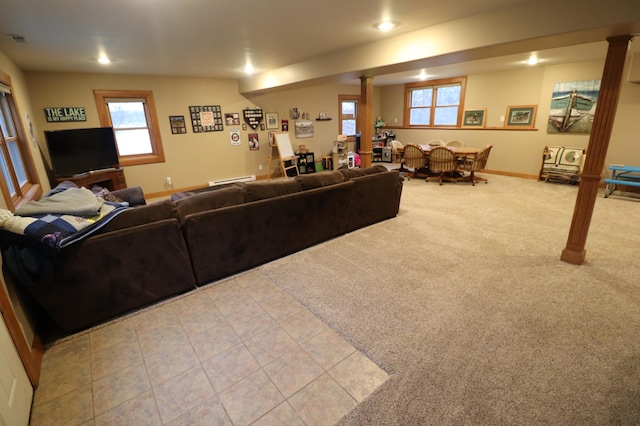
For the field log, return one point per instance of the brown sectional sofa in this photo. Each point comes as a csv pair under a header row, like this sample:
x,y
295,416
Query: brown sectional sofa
x,y
155,251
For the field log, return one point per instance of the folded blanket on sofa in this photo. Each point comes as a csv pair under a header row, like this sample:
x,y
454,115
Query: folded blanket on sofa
x,y
62,218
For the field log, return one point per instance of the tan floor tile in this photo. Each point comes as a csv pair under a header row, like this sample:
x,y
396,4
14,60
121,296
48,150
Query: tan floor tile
x,y
303,326
163,365
181,394
72,408
116,332
328,349
272,344
139,411
65,355
264,290
156,320
283,414
224,290
293,371
197,300
114,389
114,358
282,306
198,321
230,367
209,413
322,402
214,341
251,322
252,278
62,379
236,304
256,388
358,375
162,340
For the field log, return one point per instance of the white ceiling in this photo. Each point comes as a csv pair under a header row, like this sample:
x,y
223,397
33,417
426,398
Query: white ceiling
x,y
209,38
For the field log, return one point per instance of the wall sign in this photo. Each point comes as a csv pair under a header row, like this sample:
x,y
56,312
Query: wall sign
x,y
60,114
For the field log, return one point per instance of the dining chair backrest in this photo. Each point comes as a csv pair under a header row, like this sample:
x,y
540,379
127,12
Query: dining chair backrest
x,y
442,159
436,142
479,161
454,143
395,145
414,156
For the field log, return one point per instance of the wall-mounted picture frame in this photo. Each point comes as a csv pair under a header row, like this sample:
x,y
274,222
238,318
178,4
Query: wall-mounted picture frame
x,y
521,117
178,126
272,120
474,117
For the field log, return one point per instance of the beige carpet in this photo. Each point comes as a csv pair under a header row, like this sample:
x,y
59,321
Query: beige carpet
x,y
463,300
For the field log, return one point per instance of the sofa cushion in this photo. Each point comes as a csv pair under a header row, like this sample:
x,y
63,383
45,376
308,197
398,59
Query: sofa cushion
x,y
255,191
357,172
210,200
141,215
317,180
184,194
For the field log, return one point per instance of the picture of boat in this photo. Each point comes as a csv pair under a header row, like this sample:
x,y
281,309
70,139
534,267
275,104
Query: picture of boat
x,y
573,105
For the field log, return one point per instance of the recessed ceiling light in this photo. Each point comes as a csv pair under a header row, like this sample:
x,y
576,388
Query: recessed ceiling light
x,y
248,69
386,25
104,60
423,75
533,60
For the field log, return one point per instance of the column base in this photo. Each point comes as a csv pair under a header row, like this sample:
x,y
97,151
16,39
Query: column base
x,y
577,258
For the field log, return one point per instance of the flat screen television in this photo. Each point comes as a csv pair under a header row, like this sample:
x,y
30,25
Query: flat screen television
x,y
77,151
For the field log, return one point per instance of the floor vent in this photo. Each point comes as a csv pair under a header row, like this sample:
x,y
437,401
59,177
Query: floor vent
x,y
233,180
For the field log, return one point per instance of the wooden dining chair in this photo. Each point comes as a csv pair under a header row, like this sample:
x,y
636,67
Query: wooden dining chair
x,y
443,160
436,142
475,164
396,151
454,143
413,157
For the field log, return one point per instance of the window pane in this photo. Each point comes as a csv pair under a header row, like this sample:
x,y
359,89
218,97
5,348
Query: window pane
x,y
16,161
349,108
349,127
6,174
421,97
127,114
6,122
132,142
447,116
420,116
448,95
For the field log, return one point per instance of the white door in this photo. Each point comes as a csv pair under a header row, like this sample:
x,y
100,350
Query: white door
x,y
15,389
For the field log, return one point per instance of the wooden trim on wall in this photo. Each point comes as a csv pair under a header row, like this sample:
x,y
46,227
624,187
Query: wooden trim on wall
x,y
30,353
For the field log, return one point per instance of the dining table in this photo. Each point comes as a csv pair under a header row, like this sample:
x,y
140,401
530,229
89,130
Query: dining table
x,y
459,151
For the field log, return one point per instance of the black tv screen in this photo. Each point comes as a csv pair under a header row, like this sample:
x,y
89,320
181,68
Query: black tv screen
x,y
77,151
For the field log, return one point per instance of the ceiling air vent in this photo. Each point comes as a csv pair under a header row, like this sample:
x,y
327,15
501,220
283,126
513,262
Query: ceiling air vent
x,y
17,38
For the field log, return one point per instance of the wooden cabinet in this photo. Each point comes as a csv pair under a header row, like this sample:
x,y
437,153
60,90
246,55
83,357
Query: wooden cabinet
x,y
111,179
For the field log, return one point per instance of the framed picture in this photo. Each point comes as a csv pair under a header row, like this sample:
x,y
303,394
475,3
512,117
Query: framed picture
x,y
474,117
521,117
178,126
272,120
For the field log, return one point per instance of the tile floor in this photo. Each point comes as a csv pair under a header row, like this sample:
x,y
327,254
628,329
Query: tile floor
x,y
237,352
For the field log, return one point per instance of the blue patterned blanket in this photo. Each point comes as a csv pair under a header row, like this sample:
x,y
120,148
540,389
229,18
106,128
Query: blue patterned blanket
x,y
62,218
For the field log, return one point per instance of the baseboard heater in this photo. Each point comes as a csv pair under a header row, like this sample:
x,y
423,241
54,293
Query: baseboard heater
x,y
233,180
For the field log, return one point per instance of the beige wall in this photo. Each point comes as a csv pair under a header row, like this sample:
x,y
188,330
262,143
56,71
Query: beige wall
x,y
195,158
519,152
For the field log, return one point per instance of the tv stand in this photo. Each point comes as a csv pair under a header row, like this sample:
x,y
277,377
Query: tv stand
x,y
112,179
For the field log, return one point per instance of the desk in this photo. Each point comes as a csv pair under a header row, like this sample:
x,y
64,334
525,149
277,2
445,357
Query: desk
x,y
111,179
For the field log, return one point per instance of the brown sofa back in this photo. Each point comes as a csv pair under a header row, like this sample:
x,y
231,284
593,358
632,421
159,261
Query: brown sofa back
x,y
228,240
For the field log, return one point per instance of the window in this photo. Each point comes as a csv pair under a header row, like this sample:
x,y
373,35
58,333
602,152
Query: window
x,y
132,114
348,114
434,103
19,180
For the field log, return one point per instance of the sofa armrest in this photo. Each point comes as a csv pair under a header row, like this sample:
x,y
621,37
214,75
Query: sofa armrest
x,y
134,196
